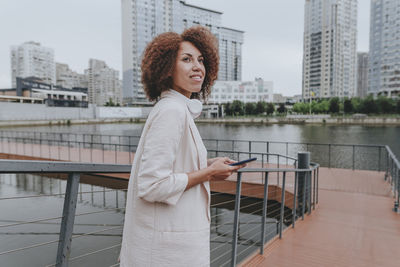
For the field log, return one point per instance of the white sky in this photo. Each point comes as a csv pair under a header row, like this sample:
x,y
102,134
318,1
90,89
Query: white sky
x,y
81,29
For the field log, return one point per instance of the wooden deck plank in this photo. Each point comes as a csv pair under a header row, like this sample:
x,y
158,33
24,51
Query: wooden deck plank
x,y
353,227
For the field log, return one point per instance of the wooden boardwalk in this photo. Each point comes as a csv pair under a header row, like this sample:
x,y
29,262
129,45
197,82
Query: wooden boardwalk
x,y
353,226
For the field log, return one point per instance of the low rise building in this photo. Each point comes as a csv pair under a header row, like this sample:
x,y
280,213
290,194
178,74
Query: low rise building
x,y
34,90
251,91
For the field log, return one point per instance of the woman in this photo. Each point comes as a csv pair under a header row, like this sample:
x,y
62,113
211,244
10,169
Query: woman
x,y
167,219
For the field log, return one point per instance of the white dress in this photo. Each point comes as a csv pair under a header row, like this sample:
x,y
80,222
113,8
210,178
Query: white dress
x,y
164,224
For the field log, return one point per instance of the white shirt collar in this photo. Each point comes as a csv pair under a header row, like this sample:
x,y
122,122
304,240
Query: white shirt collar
x,y
194,106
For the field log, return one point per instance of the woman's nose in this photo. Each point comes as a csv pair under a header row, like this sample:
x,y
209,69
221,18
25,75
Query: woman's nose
x,y
196,65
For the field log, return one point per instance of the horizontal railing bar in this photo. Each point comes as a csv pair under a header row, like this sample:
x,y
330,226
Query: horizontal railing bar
x,y
253,153
38,166
61,194
205,139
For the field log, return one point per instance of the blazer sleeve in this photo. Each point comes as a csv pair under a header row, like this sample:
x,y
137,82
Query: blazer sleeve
x,y
156,180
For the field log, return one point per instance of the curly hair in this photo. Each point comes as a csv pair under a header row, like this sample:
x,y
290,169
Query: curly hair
x,y
160,55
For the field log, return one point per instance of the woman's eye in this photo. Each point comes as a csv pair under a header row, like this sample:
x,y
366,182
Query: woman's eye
x,y
186,59
201,60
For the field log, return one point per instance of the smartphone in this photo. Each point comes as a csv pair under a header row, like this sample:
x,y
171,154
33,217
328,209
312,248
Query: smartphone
x,y
242,162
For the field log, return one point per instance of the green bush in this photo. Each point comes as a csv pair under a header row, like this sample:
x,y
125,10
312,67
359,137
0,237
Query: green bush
x,y
261,107
348,106
250,108
385,105
334,105
270,109
369,106
281,109
237,108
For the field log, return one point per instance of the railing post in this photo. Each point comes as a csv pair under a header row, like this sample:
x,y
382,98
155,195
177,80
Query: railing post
x,y
387,165
287,152
303,159
379,161
236,218
249,149
309,187
314,188
294,198
67,223
317,183
282,205
329,156
264,213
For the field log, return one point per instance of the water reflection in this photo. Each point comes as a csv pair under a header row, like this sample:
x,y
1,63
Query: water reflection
x,y
303,133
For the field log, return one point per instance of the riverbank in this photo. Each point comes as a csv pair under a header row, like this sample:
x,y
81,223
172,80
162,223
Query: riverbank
x,y
318,119
378,120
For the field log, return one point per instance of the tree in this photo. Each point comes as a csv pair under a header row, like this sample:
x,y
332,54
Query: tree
x,y
301,107
348,106
109,103
228,109
270,109
250,108
398,106
334,105
368,105
281,108
261,107
385,105
356,103
237,108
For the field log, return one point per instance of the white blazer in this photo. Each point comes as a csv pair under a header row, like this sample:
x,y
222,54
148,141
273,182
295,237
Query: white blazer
x,y
165,225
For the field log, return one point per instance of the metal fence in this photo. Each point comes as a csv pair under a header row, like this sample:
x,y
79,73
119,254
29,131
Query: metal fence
x,y
238,221
74,172
105,148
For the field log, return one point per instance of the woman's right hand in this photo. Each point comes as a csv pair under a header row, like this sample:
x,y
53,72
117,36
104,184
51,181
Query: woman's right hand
x,y
221,170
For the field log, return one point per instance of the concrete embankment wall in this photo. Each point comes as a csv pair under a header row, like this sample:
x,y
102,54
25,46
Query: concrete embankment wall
x,y
330,121
37,114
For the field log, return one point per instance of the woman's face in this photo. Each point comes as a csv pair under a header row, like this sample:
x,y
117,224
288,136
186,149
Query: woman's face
x,y
189,72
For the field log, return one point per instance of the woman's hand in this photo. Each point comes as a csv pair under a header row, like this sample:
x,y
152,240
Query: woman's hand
x,y
220,168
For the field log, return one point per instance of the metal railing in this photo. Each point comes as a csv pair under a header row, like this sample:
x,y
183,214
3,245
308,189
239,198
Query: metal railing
x,y
350,156
392,175
74,171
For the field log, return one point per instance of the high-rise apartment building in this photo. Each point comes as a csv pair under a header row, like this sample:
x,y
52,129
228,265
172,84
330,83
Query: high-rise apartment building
x,y
32,60
384,46
230,51
142,20
329,49
362,74
103,83
67,78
